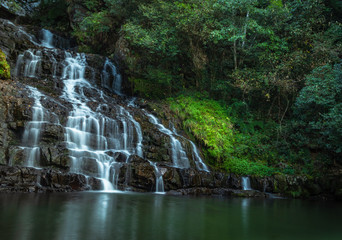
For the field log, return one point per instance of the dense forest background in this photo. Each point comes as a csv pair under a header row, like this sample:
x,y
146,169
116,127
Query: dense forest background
x,y
256,83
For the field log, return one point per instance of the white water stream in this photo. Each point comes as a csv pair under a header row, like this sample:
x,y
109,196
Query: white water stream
x,y
32,131
179,158
246,183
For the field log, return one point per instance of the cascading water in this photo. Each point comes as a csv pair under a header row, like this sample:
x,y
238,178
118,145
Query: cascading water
x,y
200,165
110,78
29,63
83,134
159,178
47,40
137,127
197,158
32,131
246,183
179,158
92,137
50,40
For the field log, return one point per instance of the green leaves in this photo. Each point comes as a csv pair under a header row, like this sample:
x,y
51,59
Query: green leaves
x,y
4,67
318,109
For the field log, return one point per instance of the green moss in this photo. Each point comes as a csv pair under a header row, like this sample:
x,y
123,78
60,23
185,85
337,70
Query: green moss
x,y
5,72
227,143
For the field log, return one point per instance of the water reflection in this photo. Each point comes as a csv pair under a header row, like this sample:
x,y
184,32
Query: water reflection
x,y
147,216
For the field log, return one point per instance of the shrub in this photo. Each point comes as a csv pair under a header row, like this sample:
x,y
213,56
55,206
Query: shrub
x,y
5,72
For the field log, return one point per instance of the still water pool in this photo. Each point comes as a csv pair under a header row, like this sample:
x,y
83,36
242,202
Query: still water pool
x,y
94,215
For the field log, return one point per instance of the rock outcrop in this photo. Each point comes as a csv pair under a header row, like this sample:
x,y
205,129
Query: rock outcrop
x,y
25,179
14,8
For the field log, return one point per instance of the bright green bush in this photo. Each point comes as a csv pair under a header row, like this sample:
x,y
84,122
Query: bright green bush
x,y
231,143
4,67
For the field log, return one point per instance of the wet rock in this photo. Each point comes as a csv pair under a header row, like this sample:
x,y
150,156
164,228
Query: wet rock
x,y
12,9
249,194
190,178
118,156
172,179
90,167
25,179
139,175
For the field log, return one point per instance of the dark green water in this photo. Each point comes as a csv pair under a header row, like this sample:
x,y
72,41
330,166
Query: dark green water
x,y
146,216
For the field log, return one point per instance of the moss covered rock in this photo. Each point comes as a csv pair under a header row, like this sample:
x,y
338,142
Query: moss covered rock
x,y
4,67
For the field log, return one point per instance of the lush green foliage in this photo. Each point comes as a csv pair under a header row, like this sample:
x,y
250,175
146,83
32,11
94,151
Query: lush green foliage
x,y
318,116
240,145
255,50
4,67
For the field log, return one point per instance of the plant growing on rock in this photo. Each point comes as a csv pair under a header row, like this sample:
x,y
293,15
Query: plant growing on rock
x,y
4,67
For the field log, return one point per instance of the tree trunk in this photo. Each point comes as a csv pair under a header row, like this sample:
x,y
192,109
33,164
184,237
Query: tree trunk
x,y
235,57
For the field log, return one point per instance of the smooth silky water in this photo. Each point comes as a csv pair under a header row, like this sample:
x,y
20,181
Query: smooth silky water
x,y
94,215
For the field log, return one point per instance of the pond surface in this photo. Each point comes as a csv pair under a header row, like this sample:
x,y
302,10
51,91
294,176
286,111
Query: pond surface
x,y
94,215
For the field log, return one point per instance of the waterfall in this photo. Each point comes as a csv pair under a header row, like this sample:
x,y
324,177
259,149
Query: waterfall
x,y
246,184
179,158
159,178
197,158
47,40
200,165
84,135
28,64
137,127
96,131
110,78
32,131
50,40
91,136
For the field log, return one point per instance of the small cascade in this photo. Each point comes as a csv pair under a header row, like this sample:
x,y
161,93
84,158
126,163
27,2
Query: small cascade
x,y
138,150
179,158
131,102
110,78
50,40
200,165
47,40
197,158
159,178
246,183
32,131
28,64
